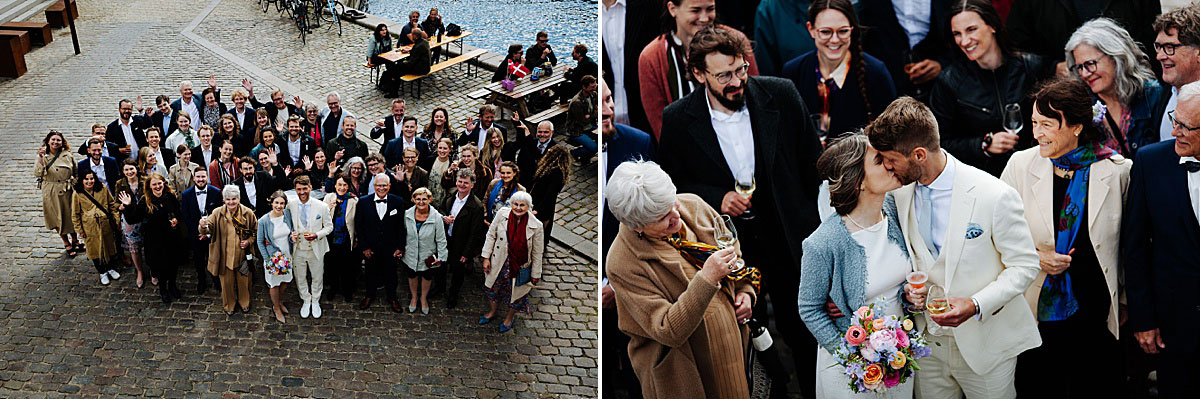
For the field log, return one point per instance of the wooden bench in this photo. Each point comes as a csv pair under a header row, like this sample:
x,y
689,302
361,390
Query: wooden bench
x,y
56,15
478,94
12,59
415,80
22,37
547,114
375,71
39,32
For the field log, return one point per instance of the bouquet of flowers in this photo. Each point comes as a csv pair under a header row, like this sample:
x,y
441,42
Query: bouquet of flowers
x,y
279,264
880,352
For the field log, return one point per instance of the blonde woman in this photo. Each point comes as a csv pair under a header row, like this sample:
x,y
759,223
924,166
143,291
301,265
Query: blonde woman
x,y
425,247
439,166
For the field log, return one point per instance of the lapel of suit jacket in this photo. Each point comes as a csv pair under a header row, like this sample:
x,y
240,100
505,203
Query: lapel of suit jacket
x,y
1098,185
1043,193
764,121
962,209
701,130
1175,187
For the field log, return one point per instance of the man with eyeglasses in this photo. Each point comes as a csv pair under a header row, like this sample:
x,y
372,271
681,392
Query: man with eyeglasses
x,y
540,53
127,130
1177,49
278,111
333,115
1160,251
752,130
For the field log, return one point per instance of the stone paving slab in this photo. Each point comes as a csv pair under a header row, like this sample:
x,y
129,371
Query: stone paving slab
x,y
64,335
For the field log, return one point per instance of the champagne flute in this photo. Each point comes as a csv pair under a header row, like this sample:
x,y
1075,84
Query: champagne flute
x,y
726,235
936,301
917,281
743,184
1012,118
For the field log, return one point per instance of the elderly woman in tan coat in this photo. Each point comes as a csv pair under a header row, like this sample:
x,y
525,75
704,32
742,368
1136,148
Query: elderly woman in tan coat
x,y
232,229
512,258
55,172
684,317
94,213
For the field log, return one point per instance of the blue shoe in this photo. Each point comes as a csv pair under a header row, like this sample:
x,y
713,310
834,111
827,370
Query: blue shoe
x,y
504,328
485,320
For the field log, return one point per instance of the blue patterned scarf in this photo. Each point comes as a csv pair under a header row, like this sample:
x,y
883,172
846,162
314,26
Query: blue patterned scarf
x,y
1057,300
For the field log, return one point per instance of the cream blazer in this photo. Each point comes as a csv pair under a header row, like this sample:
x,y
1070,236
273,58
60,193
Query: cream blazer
x,y
330,199
994,266
495,248
318,222
1033,177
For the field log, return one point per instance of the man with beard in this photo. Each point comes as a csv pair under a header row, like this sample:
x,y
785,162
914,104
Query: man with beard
x,y
966,230
752,130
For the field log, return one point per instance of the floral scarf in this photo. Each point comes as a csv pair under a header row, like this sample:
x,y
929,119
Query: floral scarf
x,y
1057,300
696,253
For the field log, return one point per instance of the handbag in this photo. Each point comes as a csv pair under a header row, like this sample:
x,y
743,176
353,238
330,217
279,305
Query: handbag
x,y
508,84
112,222
453,30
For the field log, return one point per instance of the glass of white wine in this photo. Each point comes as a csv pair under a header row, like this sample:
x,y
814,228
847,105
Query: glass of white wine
x,y
744,185
1012,118
726,235
936,301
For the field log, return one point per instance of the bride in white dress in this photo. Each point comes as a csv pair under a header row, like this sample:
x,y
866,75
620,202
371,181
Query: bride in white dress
x,y
854,258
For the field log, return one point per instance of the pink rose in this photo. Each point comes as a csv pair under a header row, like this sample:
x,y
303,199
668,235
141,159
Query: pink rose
x,y
855,335
901,338
869,353
891,379
884,340
864,313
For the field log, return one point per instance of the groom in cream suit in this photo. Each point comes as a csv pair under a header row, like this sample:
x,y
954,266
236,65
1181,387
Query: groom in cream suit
x,y
967,231
312,222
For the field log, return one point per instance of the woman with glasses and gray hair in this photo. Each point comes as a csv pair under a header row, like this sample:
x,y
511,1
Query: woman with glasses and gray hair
x,y
1117,71
683,313
512,259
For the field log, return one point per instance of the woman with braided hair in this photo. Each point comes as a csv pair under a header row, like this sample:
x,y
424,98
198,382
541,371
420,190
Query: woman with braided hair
x,y
970,95
842,87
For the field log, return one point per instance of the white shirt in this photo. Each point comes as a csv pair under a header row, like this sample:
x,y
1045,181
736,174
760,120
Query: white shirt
x,y
187,105
281,117
251,192
1193,186
127,130
241,116
614,44
159,157
294,149
942,191
482,135
207,154
914,16
1164,130
99,169
201,198
410,142
736,137
380,207
458,206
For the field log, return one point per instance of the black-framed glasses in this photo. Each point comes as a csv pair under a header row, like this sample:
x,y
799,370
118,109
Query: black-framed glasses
x,y
827,33
1177,124
1167,48
1089,66
742,73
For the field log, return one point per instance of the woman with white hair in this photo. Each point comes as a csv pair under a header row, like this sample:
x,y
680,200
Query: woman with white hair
x,y
356,170
684,312
1105,56
512,259
231,229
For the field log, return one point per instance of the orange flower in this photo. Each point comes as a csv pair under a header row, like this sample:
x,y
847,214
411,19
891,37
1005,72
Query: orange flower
x,y
877,324
873,378
898,360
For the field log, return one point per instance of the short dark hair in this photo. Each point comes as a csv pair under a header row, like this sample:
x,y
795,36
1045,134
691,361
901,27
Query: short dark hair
x,y
580,48
1185,21
542,34
587,80
714,40
1069,101
93,141
842,165
408,118
246,159
303,180
179,149
903,126
162,98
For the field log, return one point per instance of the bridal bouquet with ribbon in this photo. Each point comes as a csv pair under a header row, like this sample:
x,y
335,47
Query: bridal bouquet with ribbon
x,y
880,352
279,264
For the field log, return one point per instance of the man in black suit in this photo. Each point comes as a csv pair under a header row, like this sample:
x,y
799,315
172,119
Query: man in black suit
x,y
750,129
393,150
198,201
921,42
127,131
1161,248
476,129
379,223
530,149
464,234
164,118
106,168
204,153
298,145
99,131
389,127
256,186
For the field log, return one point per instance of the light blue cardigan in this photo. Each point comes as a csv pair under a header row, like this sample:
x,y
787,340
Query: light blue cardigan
x,y
834,268
266,247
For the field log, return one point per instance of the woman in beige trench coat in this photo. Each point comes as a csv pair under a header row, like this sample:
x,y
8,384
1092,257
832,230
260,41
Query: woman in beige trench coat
x,y
55,172
94,213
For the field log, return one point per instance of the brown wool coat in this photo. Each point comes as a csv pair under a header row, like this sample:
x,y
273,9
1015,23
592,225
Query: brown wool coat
x,y
223,249
684,339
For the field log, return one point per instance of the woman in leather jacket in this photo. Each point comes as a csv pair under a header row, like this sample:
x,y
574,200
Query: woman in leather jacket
x,y
970,96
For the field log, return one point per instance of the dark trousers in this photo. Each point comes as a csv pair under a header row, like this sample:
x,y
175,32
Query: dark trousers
x,y
165,268
200,264
1077,359
101,266
341,268
1137,366
618,372
549,226
381,267
1178,368
456,271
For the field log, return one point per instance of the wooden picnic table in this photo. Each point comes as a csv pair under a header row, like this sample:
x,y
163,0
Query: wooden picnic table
x,y
397,55
515,100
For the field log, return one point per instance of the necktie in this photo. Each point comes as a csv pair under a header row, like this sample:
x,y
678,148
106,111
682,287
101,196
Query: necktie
x,y
304,214
541,147
1192,166
926,218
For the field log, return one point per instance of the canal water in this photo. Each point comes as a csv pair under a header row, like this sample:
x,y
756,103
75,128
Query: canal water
x,y
495,24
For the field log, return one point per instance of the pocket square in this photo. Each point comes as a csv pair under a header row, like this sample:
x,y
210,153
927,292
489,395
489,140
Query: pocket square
x,y
974,230
393,213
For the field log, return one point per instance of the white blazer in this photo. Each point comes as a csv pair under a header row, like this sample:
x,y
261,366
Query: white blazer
x,y
318,222
1033,177
994,267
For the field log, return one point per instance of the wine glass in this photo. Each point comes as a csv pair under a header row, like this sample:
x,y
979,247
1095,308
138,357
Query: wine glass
x,y
726,235
917,281
936,301
743,184
1012,118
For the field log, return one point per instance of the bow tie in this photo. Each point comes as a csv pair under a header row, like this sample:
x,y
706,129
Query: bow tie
x,y
381,201
1192,166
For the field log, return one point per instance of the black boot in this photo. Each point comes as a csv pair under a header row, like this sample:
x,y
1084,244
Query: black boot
x,y
175,290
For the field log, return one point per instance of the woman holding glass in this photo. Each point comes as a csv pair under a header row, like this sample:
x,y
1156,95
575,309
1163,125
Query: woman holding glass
x,y
973,96
684,317
855,258
157,212
55,172
1073,188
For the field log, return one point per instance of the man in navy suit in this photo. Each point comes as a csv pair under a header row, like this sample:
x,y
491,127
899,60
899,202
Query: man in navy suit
x,y
389,128
256,186
1161,248
106,168
128,130
242,113
393,151
164,118
198,201
379,224
476,130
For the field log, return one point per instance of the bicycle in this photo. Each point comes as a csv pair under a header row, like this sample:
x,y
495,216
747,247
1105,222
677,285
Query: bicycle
x,y
331,12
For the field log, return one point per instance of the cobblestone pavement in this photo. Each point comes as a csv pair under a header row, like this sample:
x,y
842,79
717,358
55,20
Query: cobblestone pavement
x,y
64,335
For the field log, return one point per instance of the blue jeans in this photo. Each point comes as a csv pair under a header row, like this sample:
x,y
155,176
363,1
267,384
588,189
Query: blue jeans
x,y
586,145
